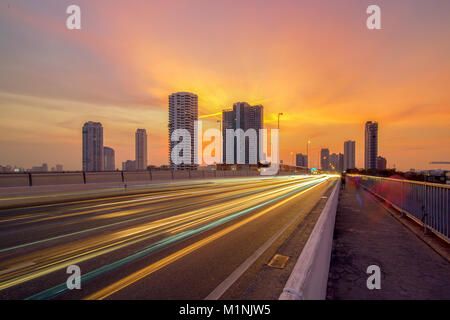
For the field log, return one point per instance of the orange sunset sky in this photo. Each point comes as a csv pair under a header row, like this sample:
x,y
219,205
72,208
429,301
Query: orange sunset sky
x,y
315,61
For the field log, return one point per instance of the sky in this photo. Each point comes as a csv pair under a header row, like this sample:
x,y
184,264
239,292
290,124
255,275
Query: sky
x,y
314,61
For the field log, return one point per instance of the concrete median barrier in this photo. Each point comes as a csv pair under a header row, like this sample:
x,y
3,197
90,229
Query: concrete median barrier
x,y
308,280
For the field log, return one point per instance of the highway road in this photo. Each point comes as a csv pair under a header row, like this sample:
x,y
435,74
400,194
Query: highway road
x,y
207,240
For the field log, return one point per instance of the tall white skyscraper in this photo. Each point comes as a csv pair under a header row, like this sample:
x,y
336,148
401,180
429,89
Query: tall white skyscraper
x,y
141,149
183,111
93,146
371,145
349,155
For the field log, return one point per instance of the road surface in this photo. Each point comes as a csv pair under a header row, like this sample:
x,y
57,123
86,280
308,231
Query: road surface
x,y
203,241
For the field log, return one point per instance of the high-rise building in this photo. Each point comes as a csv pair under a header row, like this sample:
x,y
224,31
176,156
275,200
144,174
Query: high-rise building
x,y
110,160
381,163
243,116
43,168
341,162
349,155
337,162
141,149
129,165
93,146
371,145
334,162
6,168
228,122
301,160
183,111
325,159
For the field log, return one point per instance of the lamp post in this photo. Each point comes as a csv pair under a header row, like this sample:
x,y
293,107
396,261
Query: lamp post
x,y
220,124
280,114
223,138
319,160
307,154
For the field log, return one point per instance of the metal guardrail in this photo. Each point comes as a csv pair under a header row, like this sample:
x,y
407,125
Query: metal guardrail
x,y
426,203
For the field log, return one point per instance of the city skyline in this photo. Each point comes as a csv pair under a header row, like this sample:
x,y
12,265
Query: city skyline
x,y
325,89
96,157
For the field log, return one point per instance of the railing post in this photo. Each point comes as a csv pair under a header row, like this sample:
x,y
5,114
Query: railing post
x,y
84,177
30,180
402,200
121,173
150,173
425,210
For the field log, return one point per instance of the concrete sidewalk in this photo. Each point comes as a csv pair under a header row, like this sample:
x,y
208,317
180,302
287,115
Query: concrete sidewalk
x,y
366,234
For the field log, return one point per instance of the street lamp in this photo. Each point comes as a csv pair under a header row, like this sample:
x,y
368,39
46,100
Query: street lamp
x,y
280,114
307,154
220,124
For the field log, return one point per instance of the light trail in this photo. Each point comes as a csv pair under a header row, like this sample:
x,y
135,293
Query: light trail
x,y
168,241
130,220
123,283
55,258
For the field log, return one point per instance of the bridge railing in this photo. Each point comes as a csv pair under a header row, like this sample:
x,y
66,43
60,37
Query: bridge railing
x,y
426,203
